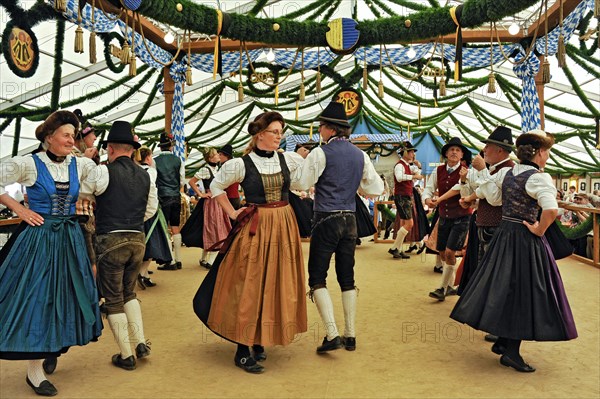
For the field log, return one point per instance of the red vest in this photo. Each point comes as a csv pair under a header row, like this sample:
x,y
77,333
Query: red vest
x,y
233,191
449,209
405,187
488,215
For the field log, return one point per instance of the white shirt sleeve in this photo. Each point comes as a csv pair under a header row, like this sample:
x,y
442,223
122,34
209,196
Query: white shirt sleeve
x,y
491,187
152,205
471,184
295,164
540,187
370,184
232,171
182,174
203,173
313,168
17,170
400,174
430,187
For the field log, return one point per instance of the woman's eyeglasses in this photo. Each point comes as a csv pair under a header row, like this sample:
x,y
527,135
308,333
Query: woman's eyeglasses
x,y
275,132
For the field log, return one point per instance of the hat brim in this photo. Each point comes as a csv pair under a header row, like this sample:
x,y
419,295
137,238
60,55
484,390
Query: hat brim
x,y
446,146
508,147
135,144
230,155
339,122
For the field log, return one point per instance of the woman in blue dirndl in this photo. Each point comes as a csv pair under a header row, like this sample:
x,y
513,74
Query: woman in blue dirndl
x,y
517,292
48,296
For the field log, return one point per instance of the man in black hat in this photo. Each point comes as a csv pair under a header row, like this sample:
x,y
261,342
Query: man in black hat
x,y
404,174
453,222
170,178
337,170
233,191
122,208
496,153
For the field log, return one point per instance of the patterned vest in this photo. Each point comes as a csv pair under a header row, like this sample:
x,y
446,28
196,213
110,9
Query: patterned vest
x,y
449,209
405,187
254,183
488,215
336,188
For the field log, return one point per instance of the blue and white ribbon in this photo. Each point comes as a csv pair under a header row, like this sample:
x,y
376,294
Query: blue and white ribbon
x,y
530,103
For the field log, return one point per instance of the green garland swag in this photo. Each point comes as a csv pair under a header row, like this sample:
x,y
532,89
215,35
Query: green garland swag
x,y
107,38
428,23
274,69
15,149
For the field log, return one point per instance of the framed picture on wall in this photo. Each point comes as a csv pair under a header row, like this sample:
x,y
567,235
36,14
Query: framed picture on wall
x,y
582,187
565,185
596,186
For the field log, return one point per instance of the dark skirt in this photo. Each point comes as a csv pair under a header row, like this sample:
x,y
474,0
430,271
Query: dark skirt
x,y
420,224
364,221
48,295
158,246
469,263
517,291
191,232
303,208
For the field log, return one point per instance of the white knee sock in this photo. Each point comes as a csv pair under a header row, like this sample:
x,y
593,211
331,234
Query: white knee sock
x,y
400,238
118,326
204,255
349,303
135,322
35,372
448,275
325,307
438,261
177,247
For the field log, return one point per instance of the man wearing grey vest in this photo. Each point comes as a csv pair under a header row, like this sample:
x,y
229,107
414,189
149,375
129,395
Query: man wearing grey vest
x,y
121,209
170,177
337,170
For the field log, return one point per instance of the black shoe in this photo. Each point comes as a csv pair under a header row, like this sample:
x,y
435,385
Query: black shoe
x,y
349,343
258,353
179,265
421,249
140,282
358,242
438,269
49,365
126,364
438,294
205,264
148,282
398,254
150,272
451,291
519,366
490,338
411,248
249,365
45,389
171,266
142,350
498,348
326,346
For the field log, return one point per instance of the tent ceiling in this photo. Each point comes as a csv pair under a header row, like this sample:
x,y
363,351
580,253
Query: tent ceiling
x,y
79,77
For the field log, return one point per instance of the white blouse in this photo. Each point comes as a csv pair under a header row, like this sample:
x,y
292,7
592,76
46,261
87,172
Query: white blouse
x,y
234,171
539,186
22,170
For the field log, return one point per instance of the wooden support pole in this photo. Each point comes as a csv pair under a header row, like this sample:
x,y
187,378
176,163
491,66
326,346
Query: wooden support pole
x,y
169,90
